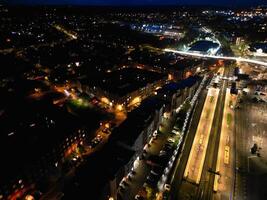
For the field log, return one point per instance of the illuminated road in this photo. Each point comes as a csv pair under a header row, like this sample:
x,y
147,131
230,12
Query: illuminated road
x,y
63,30
223,184
198,152
239,59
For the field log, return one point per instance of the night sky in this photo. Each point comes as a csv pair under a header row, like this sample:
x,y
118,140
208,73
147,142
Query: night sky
x,y
143,2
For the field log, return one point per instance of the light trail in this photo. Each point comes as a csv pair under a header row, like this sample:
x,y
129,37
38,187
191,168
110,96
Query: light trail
x,y
239,59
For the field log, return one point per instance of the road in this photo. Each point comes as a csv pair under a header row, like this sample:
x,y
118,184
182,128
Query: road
x,y
224,182
142,169
238,59
198,151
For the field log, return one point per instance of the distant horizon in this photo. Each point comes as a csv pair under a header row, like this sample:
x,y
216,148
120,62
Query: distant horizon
x,y
133,6
138,3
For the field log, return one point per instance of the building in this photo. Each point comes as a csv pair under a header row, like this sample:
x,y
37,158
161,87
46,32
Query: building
x,y
132,135
183,68
35,146
175,93
125,88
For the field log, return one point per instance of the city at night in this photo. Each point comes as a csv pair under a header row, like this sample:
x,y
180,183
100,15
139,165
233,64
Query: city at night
x,y
133,100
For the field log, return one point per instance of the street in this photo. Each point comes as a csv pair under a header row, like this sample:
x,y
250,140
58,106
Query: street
x,y
142,169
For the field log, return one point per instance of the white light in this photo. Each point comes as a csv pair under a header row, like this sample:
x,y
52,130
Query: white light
x,y
66,93
259,51
12,133
218,57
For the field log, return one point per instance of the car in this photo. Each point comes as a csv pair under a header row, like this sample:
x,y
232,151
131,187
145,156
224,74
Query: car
x,y
95,142
158,170
162,152
171,140
124,183
138,197
129,177
132,172
167,187
155,137
155,173
176,128
106,130
155,133
175,132
122,189
168,146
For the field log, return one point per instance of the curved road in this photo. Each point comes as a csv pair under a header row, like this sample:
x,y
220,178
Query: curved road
x,y
239,59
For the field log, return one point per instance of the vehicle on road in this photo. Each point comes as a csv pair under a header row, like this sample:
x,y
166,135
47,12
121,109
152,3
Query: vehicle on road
x,y
167,187
226,154
171,140
106,130
138,197
175,132
95,141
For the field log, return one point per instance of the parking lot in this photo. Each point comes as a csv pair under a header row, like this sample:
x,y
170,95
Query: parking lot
x,y
148,169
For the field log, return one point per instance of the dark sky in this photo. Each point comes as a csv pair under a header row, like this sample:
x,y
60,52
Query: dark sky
x,y
143,2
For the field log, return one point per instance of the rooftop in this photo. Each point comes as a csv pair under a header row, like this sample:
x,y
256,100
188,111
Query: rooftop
x,y
137,120
125,81
203,46
173,87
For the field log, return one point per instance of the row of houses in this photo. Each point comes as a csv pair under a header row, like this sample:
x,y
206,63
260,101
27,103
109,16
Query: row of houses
x,y
125,144
135,132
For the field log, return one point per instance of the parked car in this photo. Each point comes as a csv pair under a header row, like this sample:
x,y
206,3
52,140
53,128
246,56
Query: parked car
x,y
167,187
106,130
